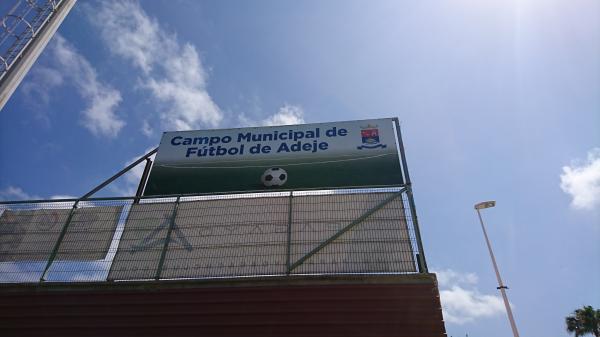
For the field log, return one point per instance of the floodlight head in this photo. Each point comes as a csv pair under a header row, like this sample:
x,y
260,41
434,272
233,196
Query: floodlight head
x,y
485,204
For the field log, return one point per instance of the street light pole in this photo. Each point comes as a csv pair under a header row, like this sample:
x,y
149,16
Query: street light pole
x,y
501,286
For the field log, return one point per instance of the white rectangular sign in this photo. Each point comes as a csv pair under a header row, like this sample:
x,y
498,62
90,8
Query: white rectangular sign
x,y
324,155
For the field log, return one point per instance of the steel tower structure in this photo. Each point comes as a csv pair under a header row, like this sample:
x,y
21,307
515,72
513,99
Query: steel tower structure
x,y
24,33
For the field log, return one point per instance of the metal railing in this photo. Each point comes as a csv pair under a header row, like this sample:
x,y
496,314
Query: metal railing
x,y
346,231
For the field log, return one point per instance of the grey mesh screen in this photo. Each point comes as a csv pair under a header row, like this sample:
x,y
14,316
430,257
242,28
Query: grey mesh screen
x,y
90,233
142,241
30,235
228,237
380,243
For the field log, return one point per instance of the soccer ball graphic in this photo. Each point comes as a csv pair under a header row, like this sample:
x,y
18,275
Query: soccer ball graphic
x,y
275,176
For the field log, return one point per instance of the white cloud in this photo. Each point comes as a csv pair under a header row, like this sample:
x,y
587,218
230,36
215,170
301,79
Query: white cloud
x,y
41,81
581,180
131,180
461,300
170,70
288,114
62,196
99,117
449,276
462,305
147,129
16,193
67,65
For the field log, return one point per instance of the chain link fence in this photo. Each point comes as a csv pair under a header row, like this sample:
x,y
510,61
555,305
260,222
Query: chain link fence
x,y
353,231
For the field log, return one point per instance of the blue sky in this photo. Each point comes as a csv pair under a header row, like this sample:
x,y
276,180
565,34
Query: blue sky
x,y
497,100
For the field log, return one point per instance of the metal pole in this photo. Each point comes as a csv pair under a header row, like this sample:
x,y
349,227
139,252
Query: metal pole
x,y
120,173
501,285
289,235
413,212
411,201
16,73
402,154
143,180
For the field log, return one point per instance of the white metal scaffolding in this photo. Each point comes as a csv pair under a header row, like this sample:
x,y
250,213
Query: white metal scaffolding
x,y
24,33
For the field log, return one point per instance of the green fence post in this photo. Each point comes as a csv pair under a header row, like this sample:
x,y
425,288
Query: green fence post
x,y
289,235
163,253
421,256
422,263
59,241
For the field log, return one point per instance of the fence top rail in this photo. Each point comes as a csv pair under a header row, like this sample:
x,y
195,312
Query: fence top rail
x,y
254,193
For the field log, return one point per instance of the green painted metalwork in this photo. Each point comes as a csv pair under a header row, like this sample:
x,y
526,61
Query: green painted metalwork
x,y
289,235
163,253
421,256
345,229
271,250
411,201
18,202
59,241
118,174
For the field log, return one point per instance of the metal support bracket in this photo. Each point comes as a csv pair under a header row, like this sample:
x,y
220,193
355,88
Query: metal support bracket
x,y
143,180
120,173
345,229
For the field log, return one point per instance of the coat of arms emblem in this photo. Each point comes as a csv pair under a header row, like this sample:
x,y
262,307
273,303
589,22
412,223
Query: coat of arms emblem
x,y
370,138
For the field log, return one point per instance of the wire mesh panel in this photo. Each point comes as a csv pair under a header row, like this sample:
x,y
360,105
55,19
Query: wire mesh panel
x,y
89,233
228,237
84,253
142,241
372,229
30,235
204,236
